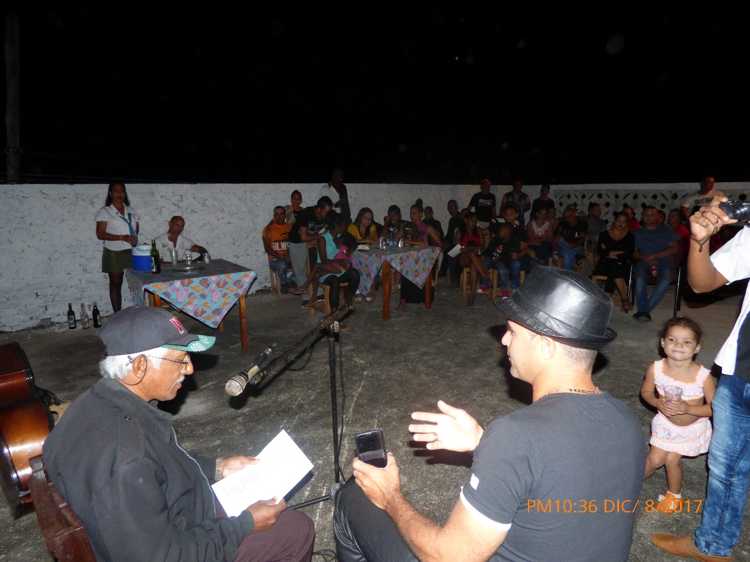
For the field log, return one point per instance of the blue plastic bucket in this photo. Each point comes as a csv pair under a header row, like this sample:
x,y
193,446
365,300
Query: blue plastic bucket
x,y
142,258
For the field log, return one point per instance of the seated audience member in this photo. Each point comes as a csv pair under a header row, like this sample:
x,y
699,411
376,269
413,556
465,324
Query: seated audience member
x,y
116,460
518,199
429,219
363,228
541,235
305,231
615,250
656,245
295,207
544,201
498,256
393,227
173,239
419,234
595,225
520,249
275,239
334,262
452,237
633,223
683,234
571,233
574,444
470,256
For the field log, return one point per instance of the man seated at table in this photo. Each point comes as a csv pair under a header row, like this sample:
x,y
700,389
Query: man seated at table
x,y
116,460
394,229
173,239
275,239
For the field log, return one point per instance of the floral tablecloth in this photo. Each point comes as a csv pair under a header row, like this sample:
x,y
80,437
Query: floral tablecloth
x,y
206,294
413,263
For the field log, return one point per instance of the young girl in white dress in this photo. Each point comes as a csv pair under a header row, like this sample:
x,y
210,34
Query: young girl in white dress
x,y
682,427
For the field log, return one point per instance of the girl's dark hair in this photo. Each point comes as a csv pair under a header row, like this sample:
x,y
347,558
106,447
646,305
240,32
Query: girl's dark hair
x,y
108,202
683,322
298,192
362,213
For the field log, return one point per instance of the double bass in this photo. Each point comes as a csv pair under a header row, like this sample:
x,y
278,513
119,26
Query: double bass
x,y
25,422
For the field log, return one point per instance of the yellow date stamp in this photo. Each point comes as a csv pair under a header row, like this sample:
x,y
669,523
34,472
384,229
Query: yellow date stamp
x,y
607,505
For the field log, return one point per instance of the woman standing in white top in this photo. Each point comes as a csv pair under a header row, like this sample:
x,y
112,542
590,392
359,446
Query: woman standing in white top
x,y
117,226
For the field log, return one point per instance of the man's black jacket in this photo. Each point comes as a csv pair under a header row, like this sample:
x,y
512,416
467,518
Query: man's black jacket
x,y
141,497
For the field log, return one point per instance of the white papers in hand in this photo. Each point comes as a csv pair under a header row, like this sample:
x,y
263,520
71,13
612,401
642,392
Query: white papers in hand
x,y
280,467
455,250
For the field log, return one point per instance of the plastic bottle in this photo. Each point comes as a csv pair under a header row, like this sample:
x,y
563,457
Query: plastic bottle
x,y
85,323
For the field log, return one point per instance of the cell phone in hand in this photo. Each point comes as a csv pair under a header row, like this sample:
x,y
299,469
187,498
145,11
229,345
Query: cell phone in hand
x,y
371,447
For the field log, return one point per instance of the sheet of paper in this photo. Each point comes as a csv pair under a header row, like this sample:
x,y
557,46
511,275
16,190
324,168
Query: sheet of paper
x,y
455,251
363,247
281,466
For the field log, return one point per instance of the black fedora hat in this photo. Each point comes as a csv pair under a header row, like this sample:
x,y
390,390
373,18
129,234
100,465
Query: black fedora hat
x,y
562,305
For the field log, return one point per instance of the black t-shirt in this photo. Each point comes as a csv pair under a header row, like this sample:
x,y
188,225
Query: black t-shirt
x,y
545,468
483,203
572,233
307,218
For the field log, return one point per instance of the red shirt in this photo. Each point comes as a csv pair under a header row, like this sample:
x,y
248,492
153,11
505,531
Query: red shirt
x,y
468,239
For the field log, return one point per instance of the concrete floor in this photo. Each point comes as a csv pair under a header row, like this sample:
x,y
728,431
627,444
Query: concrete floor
x,y
390,369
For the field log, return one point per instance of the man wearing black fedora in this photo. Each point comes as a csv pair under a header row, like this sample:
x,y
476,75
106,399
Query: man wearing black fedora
x,y
556,480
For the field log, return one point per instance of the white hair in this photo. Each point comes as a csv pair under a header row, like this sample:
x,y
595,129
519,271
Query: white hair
x,y
118,366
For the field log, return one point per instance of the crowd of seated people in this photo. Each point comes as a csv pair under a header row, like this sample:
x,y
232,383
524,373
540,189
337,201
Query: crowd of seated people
x,y
305,245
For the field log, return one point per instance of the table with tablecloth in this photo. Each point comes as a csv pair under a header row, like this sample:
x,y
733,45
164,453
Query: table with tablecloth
x,y
413,263
206,293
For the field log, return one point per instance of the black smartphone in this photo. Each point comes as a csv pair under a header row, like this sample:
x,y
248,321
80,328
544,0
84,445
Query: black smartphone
x,y
371,447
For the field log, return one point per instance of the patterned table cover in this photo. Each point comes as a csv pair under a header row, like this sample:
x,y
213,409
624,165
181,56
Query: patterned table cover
x,y
413,263
206,294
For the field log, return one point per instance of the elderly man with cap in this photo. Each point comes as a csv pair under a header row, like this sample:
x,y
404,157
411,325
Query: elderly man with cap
x,y
556,480
115,459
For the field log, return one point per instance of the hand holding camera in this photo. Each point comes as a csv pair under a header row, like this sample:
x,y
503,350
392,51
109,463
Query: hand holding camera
x,y
715,213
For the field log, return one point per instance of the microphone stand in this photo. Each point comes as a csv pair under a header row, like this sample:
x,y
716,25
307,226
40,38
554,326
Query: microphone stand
x,y
331,329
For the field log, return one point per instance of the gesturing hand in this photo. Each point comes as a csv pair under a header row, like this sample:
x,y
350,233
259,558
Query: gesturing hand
x,y
265,513
454,429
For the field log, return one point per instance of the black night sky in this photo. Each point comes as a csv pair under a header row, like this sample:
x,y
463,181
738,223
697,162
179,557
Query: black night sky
x,y
416,94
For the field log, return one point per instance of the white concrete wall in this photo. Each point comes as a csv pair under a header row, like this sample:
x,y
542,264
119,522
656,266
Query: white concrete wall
x,y
49,254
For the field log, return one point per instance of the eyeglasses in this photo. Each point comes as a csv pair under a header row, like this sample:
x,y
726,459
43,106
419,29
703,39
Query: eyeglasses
x,y
183,364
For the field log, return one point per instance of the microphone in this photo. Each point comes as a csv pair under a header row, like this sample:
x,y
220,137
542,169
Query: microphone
x,y
236,384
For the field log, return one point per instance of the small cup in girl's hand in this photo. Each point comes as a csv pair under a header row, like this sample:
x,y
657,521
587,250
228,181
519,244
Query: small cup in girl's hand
x,y
672,393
